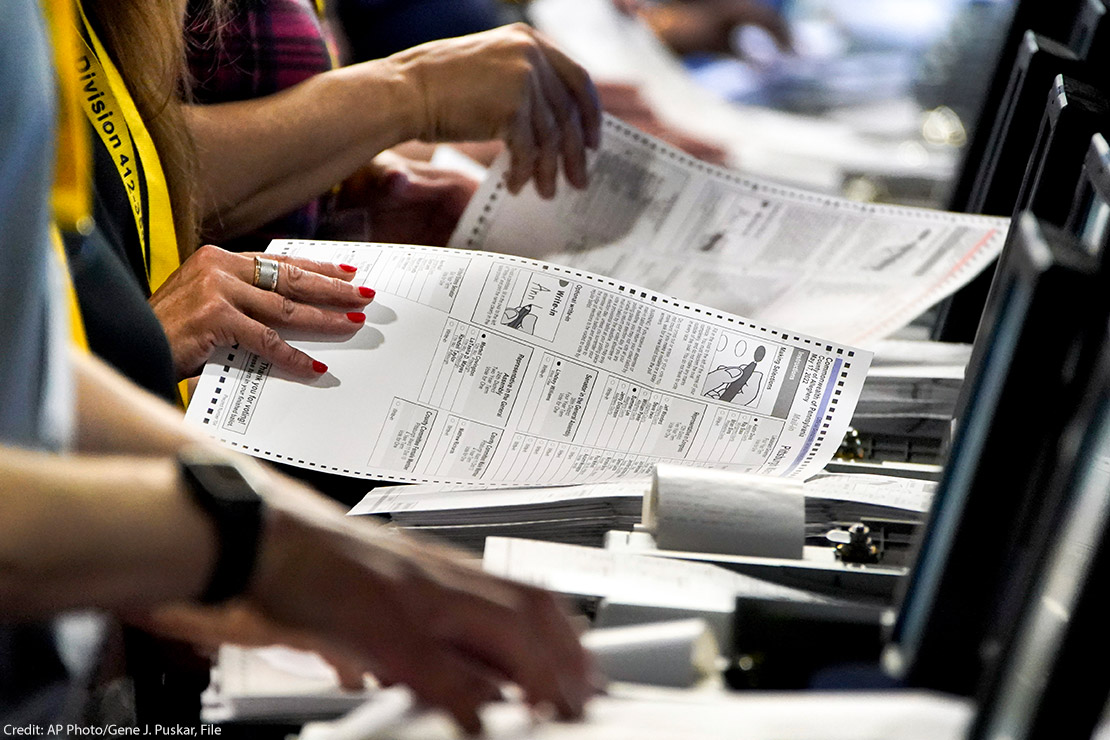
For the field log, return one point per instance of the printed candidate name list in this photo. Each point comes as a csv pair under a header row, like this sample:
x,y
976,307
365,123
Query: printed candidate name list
x,y
476,368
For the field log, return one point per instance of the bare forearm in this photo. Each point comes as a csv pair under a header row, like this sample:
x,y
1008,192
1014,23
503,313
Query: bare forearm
x,y
114,416
278,198
111,533
263,157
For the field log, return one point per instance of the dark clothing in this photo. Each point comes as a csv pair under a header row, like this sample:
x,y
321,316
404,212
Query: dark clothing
x,y
33,682
110,278
265,47
378,28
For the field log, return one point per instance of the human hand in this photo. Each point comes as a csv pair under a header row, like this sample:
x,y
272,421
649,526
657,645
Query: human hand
x,y
210,302
413,612
409,201
628,7
690,26
206,628
509,83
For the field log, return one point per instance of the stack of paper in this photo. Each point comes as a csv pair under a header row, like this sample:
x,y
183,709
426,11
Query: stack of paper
x,y
894,403
582,514
629,577
909,399
575,514
896,505
911,387
846,493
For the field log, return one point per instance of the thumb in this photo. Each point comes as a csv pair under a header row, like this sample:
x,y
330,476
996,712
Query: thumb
x,y
349,671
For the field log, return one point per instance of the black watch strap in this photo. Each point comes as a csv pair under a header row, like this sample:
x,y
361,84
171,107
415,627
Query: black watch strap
x,y
227,496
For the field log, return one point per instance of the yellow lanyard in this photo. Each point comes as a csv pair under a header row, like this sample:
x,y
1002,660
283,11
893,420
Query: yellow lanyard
x,y
113,115
70,196
76,323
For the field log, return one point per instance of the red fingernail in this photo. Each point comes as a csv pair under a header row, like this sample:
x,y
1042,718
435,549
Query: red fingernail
x,y
366,292
356,316
319,367
348,268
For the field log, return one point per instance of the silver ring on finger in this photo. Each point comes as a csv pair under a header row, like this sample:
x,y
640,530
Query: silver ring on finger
x,y
265,274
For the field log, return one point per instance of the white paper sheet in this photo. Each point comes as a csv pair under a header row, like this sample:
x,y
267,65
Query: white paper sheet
x,y
631,712
282,684
899,358
628,577
879,490
579,514
412,499
476,368
654,216
274,682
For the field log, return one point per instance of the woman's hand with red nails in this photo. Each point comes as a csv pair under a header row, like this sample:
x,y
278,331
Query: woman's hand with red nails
x,y
210,302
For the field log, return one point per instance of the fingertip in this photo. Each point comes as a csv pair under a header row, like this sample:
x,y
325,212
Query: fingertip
x,y
514,183
576,171
574,693
367,293
348,268
592,130
303,366
350,679
546,187
468,720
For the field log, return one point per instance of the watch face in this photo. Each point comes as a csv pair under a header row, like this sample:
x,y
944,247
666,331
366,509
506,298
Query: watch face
x,y
235,509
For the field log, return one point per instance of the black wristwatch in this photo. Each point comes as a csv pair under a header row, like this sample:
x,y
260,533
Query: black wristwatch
x,y
231,501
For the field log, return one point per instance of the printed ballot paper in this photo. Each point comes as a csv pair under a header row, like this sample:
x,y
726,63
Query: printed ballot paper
x,y
654,216
480,368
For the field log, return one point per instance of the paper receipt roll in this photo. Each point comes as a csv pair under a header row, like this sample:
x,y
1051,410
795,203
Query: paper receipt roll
x,y
700,510
678,653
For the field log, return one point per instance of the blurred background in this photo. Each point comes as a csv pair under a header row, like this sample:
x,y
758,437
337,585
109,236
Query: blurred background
x,y
874,100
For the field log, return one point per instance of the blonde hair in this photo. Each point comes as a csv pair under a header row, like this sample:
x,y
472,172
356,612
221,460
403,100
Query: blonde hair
x,y
146,39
